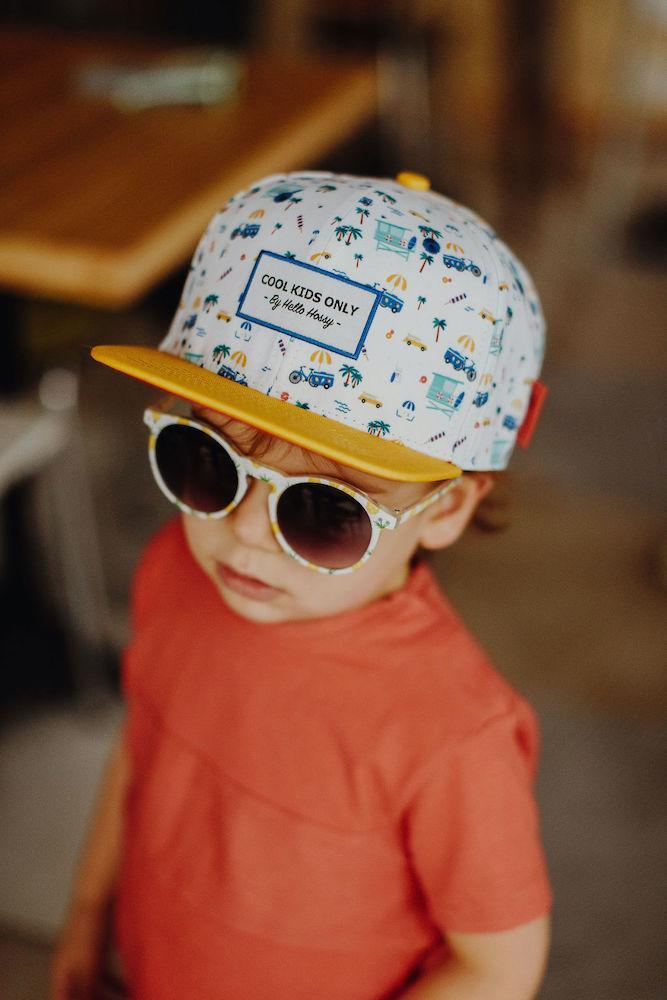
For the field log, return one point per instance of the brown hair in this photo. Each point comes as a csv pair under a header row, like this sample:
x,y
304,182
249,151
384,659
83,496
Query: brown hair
x,y
493,512
256,443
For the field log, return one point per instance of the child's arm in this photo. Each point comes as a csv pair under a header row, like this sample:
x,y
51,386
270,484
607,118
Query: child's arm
x,y
508,965
78,950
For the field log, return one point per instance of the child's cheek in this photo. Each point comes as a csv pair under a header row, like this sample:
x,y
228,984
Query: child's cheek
x,y
199,535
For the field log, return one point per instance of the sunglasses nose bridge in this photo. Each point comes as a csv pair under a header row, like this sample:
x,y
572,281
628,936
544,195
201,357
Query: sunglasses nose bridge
x,y
250,519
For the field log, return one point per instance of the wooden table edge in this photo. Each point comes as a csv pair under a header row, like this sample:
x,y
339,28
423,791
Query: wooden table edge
x,y
118,279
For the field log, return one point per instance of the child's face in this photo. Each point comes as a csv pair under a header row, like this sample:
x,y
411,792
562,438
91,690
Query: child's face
x,y
260,581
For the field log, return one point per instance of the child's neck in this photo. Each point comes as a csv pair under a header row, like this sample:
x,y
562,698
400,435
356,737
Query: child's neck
x,y
395,582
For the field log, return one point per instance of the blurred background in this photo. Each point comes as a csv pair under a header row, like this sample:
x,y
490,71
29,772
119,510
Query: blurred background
x,y
123,124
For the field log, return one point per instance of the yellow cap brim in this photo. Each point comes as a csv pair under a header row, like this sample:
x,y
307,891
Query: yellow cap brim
x,y
327,437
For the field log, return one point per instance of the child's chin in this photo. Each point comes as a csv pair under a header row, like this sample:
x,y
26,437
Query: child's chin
x,y
254,611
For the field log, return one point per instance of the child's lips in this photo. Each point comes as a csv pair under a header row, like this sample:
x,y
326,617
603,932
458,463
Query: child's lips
x,y
246,586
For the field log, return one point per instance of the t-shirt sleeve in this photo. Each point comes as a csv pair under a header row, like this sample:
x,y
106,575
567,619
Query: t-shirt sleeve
x,y
473,830
158,557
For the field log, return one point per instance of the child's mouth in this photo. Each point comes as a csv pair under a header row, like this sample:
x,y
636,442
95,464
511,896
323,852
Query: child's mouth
x,y
246,586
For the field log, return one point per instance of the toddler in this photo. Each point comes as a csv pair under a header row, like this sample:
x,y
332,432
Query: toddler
x,y
323,789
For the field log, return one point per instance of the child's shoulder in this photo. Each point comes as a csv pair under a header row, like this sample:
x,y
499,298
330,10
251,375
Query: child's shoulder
x,y
451,673
164,565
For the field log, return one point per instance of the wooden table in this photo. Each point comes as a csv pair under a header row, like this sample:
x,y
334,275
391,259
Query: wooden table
x,y
97,204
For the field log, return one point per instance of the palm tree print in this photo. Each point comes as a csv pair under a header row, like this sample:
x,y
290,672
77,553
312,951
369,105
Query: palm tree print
x,y
277,226
387,198
425,258
438,325
340,232
352,233
220,351
421,299
378,427
350,374
358,257
210,300
290,255
428,231
292,201
363,213
303,406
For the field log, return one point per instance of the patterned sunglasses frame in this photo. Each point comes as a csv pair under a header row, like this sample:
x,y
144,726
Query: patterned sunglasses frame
x,y
381,518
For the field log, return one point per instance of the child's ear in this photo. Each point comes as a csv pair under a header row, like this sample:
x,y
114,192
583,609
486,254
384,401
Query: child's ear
x,y
447,519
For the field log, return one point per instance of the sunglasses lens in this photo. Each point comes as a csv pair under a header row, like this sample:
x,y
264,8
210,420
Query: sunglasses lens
x,y
196,468
324,525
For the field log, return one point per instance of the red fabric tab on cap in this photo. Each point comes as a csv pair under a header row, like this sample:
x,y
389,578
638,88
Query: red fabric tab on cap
x,y
537,397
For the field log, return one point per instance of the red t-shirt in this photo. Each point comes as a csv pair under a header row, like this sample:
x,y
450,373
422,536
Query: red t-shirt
x,y
314,804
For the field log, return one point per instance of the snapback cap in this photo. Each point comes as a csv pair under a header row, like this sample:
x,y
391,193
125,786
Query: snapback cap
x,y
372,321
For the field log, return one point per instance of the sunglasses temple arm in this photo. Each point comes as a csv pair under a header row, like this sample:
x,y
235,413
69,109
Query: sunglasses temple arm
x,y
426,502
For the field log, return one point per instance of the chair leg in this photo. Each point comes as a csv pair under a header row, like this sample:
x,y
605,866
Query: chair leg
x,y
70,535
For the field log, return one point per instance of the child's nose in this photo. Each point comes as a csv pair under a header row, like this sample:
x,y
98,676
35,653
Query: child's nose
x,y
250,520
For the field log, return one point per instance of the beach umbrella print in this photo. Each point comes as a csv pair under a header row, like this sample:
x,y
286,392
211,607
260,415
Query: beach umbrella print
x,y
467,343
320,358
257,214
431,237
240,358
486,379
455,248
245,325
398,281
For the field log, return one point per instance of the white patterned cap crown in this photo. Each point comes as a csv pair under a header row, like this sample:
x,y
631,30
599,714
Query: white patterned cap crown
x,y
392,311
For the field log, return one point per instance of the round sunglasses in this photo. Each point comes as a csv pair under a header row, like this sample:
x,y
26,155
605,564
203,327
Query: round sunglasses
x,y
323,523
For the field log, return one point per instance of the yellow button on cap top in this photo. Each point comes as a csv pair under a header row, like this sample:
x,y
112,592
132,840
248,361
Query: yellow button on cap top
x,y
415,181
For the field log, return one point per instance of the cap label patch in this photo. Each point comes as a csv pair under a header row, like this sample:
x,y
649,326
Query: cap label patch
x,y
303,301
